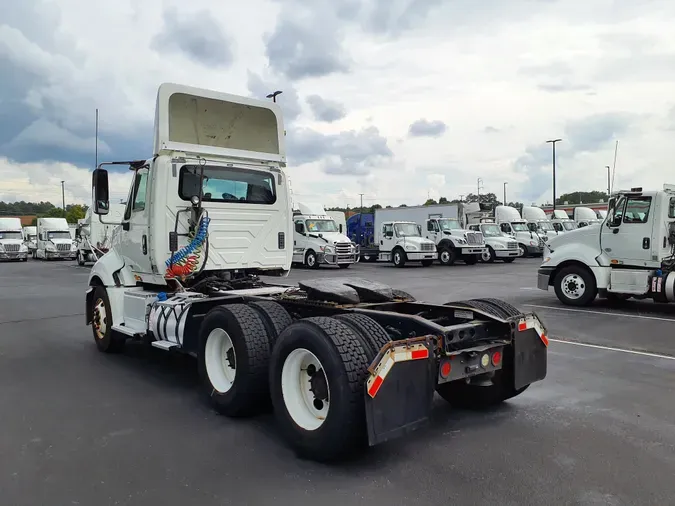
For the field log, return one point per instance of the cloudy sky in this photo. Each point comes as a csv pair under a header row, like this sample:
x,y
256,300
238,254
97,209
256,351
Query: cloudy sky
x,y
396,99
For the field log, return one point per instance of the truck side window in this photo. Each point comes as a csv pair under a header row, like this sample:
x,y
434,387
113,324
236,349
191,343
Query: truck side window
x,y
505,227
388,230
558,227
299,227
140,186
671,208
637,210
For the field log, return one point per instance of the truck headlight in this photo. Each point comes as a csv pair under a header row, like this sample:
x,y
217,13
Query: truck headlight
x,y
411,247
499,246
50,247
23,248
327,250
73,247
461,241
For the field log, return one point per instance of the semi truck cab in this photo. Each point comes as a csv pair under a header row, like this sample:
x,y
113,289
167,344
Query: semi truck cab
x,y
401,242
54,240
12,246
454,242
500,246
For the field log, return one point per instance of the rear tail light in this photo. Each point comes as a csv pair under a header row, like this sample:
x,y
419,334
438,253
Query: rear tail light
x,y
446,369
496,358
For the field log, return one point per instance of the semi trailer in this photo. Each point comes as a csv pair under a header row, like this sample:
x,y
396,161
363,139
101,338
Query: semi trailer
x,y
631,255
343,362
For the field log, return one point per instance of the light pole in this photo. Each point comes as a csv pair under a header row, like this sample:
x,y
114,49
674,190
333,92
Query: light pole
x,y
505,183
479,182
273,95
552,142
63,197
608,183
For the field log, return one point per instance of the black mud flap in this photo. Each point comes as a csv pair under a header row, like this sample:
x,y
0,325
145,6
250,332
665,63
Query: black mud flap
x,y
529,358
403,402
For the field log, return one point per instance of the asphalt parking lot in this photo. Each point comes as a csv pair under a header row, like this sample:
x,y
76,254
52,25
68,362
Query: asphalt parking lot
x,y
81,428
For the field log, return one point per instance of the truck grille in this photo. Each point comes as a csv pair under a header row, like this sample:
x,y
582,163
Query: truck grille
x,y
511,245
343,248
428,246
12,248
63,247
542,240
474,238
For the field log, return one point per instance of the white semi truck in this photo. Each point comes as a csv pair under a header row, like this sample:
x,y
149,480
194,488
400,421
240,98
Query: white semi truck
x,y
632,254
93,238
12,245
344,361
530,243
54,240
537,221
317,239
562,222
585,216
340,220
30,239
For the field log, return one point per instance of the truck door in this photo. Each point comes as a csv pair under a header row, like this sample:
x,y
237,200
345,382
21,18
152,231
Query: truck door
x,y
299,240
134,236
387,238
662,226
627,233
433,230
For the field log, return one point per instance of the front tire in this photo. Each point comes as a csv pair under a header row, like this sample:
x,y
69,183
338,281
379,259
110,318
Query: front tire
x,y
311,261
522,249
233,360
488,256
447,256
317,376
575,286
107,340
399,257
80,259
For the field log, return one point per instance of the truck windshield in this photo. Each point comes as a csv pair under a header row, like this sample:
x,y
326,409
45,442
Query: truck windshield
x,y
519,227
58,235
407,230
11,235
545,225
315,226
491,230
227,184
569,225
449,224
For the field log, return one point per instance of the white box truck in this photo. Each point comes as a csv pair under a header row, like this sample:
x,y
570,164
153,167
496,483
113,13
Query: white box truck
x,y
632,254
442,224
12,246
54,240
317,239
93,237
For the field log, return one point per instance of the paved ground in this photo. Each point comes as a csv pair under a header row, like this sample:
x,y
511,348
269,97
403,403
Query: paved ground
x,y
79,427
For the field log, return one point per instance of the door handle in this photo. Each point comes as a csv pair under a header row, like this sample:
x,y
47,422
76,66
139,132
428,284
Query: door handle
x,y
645,243
144,242
381,242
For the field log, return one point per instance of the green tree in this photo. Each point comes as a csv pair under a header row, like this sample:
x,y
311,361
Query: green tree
x,y
580,197
55,212
75,212
443,200
430,202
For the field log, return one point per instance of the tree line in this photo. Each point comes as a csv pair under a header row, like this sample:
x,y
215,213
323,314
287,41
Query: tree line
x,y
72,213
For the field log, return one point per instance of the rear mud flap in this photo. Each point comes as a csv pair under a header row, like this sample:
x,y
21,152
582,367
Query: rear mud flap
x,y
403,401
529,358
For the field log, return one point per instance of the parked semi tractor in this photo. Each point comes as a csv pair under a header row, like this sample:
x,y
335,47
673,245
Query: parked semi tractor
x,y
585,216
499,246
317,239
345,362
93,238
12,246
54,240
632,254
537,221
340,220
530,243
30,239
562,222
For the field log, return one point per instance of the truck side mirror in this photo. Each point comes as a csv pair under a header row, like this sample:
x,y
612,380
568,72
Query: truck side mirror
x,y
99,183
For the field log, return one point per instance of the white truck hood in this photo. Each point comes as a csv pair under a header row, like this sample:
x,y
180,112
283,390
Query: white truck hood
x,y
11,241
584,235
334,237
499,240
417,240
61,241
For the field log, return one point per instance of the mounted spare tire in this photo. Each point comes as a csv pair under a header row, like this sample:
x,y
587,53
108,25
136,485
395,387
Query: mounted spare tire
x,y
317,376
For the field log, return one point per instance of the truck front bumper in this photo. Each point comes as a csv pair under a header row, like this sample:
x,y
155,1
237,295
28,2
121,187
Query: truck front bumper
x,y
544,277
472,251
333,259
11,255
421,255
508,253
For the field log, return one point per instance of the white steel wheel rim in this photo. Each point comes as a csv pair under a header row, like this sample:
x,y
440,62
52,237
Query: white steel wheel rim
x,y
221,360
445,256
366,257
306,408
573,286
521,250
486,256
100,318
397,257
311,260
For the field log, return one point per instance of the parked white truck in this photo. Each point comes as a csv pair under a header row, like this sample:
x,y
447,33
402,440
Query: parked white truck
x,y
340,220
530,243
537,221
12,246
54,240
500,246
317,239
30,239
585,216
343,361
632,254
562,222
94,238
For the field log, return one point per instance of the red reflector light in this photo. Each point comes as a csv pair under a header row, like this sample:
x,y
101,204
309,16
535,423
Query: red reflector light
x,y
446,369
418,354
372,391
522,326
544,340
496,358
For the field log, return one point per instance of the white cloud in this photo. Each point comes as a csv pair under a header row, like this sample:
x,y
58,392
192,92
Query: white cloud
x,y
502,77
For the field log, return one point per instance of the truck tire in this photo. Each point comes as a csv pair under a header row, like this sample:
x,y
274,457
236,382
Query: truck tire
x,y
488,256
470,259
427,263
80,259
372,335
575,286
317,374
234,354
344,266
399,257
447,255
505,307
274,316
311,261
523,250
107,340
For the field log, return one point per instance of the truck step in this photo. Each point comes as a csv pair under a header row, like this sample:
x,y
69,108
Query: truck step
x,y
165,345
